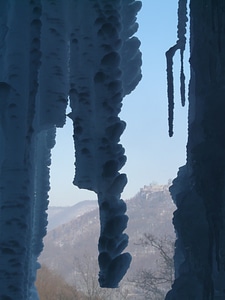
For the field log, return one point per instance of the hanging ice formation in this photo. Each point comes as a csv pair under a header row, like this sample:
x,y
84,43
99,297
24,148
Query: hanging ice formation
x,y
180,45
105,66
50,50
198,190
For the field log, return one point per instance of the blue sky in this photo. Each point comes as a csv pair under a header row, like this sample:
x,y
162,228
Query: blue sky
x,y
151,155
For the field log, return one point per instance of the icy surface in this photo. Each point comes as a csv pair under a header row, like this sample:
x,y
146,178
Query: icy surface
x,y
50,52
105,66
198,190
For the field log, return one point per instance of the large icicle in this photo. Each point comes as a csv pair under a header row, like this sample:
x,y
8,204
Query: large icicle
x,y
199,188
18,77
105,66
22,204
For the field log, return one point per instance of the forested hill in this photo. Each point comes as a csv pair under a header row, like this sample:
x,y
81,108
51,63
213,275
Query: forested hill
x,y
149,211
60,215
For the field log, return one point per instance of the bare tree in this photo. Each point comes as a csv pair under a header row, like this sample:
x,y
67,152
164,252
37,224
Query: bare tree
x,y
156,281
86,279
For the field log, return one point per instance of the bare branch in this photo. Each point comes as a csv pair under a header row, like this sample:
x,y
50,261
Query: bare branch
x,y
155,283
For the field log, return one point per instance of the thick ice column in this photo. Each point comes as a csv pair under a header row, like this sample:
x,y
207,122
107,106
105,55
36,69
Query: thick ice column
x,y
25,147
199,189
18,77
105,66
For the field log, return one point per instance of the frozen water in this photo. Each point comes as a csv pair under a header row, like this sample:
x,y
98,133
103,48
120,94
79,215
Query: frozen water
x,y
94,62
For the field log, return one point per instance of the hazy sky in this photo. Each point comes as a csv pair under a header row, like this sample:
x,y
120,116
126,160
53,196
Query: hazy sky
x,y
151,154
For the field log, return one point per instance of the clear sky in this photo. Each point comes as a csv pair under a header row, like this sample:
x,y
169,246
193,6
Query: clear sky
x,y
151,155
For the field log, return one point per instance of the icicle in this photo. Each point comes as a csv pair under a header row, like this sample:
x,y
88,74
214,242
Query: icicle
x,y
180,44
18,75
182,79
20,109
170,87
105,66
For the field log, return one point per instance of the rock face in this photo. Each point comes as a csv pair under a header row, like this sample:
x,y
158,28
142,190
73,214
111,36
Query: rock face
x,y
198,190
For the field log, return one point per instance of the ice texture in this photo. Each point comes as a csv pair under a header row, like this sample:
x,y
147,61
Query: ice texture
x,y
51,51
104,67
198,190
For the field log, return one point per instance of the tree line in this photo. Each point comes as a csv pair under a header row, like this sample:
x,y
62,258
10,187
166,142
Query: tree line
x,y
149,283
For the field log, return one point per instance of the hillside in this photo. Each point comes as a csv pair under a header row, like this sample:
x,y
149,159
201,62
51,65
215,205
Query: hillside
x,y
70,245
60,215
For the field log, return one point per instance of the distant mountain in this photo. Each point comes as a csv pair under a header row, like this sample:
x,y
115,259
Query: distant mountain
x,y
76,236
61,215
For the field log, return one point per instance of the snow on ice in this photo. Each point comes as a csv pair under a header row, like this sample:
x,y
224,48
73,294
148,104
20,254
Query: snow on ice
x,y
49,52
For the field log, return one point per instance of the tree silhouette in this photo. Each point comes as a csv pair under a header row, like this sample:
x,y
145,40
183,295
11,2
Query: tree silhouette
x,y
154,282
